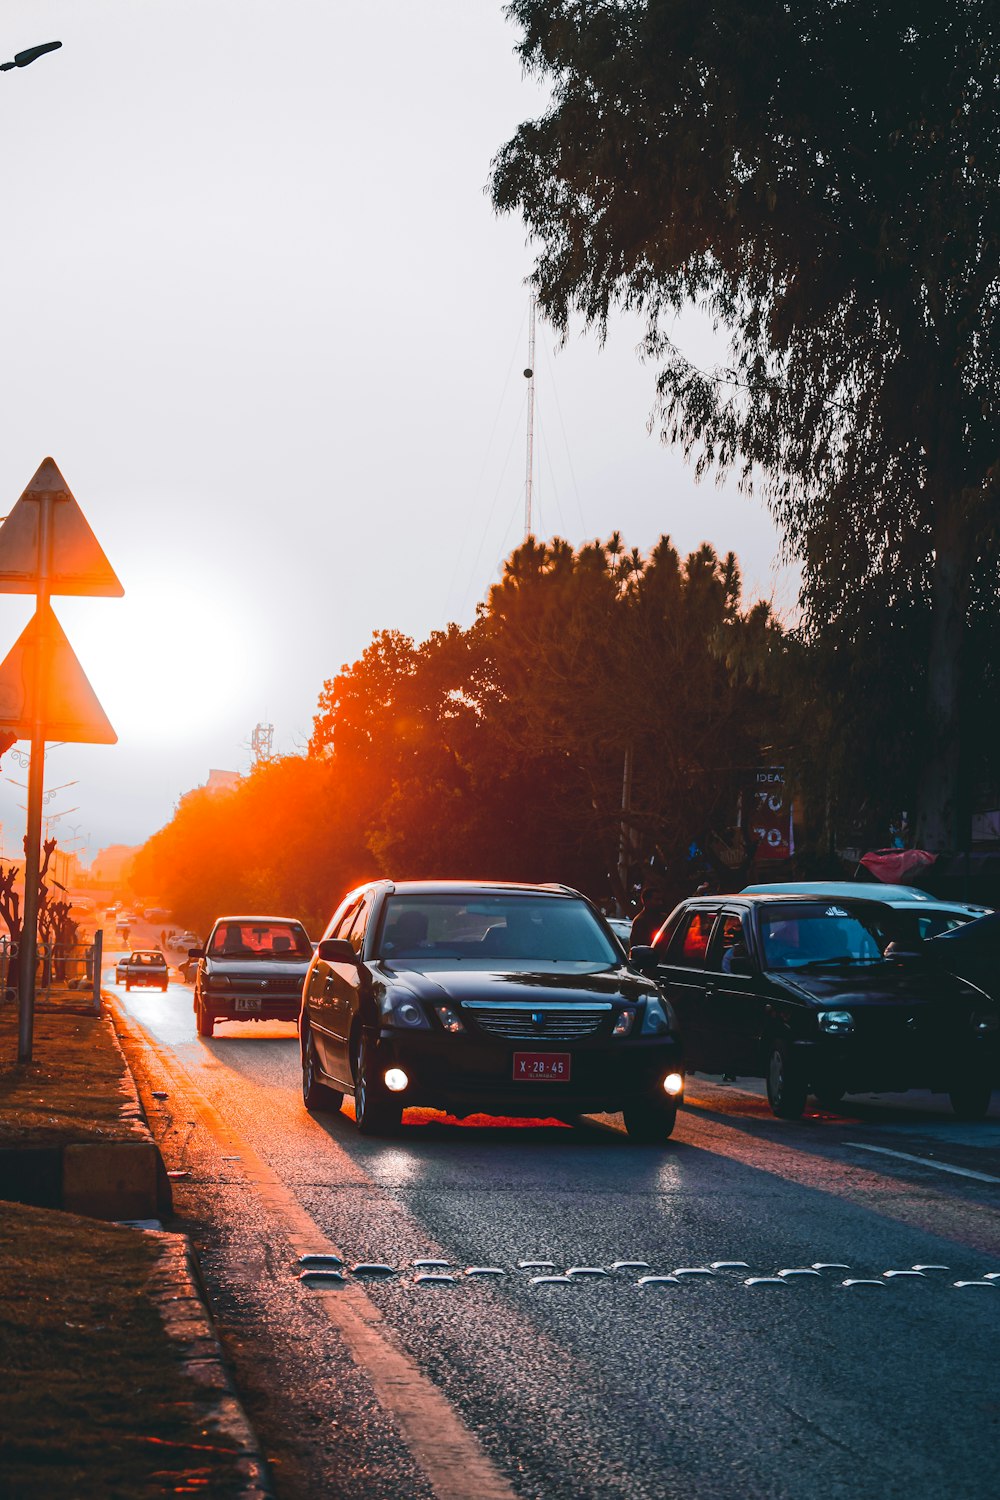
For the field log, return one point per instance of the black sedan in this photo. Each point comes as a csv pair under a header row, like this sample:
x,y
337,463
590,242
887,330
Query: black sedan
x,y
798,992
483,998
251,969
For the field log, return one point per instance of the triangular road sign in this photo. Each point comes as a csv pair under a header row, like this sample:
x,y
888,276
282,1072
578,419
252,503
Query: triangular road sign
x,y
76,562
70,710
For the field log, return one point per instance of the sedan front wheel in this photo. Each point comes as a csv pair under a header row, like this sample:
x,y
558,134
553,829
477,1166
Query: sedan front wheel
x,y
315,1093
375,1111
649,1123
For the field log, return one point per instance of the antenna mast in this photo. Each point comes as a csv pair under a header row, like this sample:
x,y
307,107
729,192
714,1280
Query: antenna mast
x,y
260,743
529,376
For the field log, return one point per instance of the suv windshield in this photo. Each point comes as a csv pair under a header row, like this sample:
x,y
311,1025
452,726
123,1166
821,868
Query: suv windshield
x,y
252,939
797,934
500,927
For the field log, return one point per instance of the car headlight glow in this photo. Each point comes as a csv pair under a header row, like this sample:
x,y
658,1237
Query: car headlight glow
x,y
673,1084
836,1022
404,1012
396,1080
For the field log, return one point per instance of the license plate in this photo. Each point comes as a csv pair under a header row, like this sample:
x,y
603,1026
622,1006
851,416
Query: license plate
x,y
251,1005
541,1067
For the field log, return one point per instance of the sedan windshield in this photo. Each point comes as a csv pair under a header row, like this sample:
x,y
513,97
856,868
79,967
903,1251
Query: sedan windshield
x,y
260,940
801,934
504,928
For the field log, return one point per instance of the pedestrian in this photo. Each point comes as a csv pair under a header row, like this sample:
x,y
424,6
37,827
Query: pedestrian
x,y
651,915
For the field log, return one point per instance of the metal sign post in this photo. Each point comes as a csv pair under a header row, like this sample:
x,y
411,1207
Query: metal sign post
x,y
46,548
28,954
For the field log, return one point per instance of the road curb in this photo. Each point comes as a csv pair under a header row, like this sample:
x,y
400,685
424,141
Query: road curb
x,y
177,1291
101,1179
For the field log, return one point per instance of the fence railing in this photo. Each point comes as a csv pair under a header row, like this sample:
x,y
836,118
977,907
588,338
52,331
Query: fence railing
x,y
62,969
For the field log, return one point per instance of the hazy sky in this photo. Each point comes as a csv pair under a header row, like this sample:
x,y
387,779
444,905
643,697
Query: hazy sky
x,y
259,310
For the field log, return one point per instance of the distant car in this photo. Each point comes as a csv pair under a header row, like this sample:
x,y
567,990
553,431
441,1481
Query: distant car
x,y
251,969
796,990
923,915
185,940
145,966
481,997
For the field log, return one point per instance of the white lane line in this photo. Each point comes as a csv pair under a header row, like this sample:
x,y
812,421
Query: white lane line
x,y
447,1451
922,1161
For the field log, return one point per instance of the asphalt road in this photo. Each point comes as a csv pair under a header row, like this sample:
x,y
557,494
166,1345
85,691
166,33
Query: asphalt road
x,y
703,1387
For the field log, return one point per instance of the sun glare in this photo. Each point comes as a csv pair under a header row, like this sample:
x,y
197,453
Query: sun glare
x,y
172,652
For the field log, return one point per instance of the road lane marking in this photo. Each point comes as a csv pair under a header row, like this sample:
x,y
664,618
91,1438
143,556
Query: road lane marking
x,y
922,1161
440,1443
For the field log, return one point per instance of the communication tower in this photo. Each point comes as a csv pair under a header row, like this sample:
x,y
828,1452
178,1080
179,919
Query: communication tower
x,y
260,743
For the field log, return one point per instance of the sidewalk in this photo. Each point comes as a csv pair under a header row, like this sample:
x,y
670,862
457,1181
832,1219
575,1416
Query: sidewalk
x,y
114,1379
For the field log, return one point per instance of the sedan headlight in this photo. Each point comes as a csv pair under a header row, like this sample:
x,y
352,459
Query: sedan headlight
x,y
218,982
449,1018
836,1022
658,1018
403,1011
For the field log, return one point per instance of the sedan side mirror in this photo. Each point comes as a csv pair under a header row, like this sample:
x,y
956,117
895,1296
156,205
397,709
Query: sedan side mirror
x,y
645,959
196,953
337,951
740,963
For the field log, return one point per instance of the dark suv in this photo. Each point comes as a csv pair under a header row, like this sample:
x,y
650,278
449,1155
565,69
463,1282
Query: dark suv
x,y
798,991
480,997
251,969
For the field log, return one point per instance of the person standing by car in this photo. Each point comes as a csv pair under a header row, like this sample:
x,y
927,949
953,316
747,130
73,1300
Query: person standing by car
x,y
650,917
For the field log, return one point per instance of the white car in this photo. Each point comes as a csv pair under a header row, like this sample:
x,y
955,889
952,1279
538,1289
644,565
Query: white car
x,y
932,914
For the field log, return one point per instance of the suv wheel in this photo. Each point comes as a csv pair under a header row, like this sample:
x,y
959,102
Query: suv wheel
x,y
786,1087
649,1123
376,1112
970,1098
315,1093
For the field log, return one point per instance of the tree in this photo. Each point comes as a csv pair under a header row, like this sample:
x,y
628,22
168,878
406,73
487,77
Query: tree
x,y
821,176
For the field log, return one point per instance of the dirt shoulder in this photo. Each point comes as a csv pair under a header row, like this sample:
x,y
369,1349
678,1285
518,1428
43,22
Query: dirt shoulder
x,y
113,1379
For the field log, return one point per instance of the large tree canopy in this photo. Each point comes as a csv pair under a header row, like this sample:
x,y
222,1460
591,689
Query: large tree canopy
x,y
821,175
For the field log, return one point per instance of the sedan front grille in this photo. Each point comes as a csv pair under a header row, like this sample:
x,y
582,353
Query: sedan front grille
x,y
524,1023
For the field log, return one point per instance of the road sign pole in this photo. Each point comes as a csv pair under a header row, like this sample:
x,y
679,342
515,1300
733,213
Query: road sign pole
x,y
28,956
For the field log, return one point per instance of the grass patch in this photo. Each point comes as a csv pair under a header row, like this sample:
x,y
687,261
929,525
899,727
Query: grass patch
x,y
94,1400
77,1086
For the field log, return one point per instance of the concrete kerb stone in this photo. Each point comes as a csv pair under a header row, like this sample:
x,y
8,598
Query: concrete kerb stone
x,y
111,1179
176,1290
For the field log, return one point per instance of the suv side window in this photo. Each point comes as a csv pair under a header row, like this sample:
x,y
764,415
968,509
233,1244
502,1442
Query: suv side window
x,y
729,934
339,928
690,942
356,935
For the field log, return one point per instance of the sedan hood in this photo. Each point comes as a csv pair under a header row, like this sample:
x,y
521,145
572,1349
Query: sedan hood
x,y
546,985
874,984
